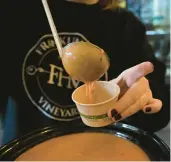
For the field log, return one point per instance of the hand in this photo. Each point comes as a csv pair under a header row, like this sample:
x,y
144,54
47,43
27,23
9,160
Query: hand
x,y
135,93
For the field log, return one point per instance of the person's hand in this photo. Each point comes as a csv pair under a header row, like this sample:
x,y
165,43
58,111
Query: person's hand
x,y
135,93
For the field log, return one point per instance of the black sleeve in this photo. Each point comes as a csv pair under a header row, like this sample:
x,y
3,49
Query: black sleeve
x,y
4,58
136,44
8,32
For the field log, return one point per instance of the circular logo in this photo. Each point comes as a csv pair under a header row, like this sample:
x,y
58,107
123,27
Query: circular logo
x,y
45,81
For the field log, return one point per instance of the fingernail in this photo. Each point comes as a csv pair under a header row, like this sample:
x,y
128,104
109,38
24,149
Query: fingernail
x,y
114,112
118,117
148,109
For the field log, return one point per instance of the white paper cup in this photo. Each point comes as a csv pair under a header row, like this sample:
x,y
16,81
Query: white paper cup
x,y
105,95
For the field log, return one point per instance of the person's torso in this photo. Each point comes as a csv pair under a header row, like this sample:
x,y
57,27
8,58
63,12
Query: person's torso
x,y
41,87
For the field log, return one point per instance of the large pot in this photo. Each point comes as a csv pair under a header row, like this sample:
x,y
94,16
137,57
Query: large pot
x,y
152,145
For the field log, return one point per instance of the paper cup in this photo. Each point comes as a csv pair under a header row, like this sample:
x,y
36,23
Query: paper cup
x,y
105,95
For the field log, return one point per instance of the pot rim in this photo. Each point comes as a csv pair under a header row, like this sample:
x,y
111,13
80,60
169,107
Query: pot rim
x,y
18,146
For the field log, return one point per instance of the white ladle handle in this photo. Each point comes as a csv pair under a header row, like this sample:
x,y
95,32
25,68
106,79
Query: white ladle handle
x,y
53,27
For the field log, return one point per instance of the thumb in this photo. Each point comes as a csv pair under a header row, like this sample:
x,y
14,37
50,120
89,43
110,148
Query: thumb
x,y
131,75
137,72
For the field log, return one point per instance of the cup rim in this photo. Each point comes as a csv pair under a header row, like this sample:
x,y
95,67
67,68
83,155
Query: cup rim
x,y
100,103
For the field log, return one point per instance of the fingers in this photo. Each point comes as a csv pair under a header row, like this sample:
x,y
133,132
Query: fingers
x,y
132,109
133,94
137,106
150,106
153,106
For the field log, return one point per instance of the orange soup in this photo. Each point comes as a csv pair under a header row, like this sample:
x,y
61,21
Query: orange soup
x,y
85,147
